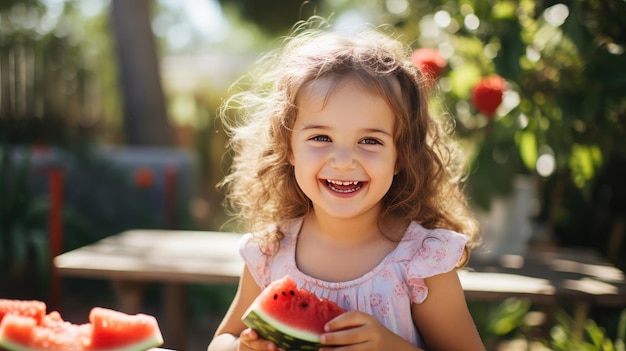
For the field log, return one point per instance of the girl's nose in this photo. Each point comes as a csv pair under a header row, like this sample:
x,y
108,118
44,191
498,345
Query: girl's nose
x,y
343,158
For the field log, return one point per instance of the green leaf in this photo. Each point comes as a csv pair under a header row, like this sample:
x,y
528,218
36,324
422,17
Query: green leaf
x,y
463,79
607,345
596,335
528,149
620,344
509,316
560,336
583,162
504,10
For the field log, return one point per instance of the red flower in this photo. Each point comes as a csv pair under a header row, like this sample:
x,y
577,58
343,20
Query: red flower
x,y
487,94
143,177
429,61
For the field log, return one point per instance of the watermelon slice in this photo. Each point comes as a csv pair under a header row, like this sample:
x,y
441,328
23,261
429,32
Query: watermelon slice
x,y
107,330
290,317
118,331
22,333
30,308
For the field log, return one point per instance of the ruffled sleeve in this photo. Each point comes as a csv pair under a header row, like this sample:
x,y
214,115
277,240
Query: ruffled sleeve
x,y
429,253
267,261
256,260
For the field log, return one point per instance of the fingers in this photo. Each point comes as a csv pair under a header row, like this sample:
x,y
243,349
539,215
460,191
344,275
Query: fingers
x,y
348,329
344,337
251,340
348,320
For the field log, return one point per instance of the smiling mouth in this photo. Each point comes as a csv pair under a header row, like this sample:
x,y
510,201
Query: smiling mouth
x,y
343,186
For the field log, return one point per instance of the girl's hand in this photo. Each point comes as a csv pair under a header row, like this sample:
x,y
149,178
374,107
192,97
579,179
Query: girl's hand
x,y
249,340
360,331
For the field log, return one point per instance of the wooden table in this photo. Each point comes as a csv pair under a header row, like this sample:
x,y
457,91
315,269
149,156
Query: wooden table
x,y
550,277
136,257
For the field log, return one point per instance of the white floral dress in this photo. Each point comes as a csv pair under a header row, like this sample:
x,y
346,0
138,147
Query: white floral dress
x,y
386,291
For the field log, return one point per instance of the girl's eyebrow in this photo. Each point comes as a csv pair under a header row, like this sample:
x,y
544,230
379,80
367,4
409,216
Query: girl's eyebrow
x,y
365,130
314,126
377,130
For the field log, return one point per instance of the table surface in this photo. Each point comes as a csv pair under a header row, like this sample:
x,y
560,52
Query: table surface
x,y
550,276
157,256
556,275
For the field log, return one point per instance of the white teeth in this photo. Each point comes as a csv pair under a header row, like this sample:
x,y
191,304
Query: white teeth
x,y
334,183
337,182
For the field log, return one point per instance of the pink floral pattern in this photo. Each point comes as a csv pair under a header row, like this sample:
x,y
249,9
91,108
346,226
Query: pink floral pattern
x,y
400,289
376,299
385,292
383,310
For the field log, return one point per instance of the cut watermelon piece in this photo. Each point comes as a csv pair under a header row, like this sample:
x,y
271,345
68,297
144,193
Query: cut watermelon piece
x,y
21,333
28,308
118,331
108,330
290,317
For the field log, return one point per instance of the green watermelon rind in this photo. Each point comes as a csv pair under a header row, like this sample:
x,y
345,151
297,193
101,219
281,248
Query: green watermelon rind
x,y
11,346
282,335
142,346
148,344
155,341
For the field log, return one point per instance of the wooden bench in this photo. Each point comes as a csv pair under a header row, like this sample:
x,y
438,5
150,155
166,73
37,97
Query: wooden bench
x,y
174,258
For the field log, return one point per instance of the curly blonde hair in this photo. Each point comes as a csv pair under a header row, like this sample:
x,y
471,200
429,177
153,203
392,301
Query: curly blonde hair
x,y
261,188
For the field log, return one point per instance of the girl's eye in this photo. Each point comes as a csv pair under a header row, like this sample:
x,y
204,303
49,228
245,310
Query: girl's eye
x,y
323,138
370,141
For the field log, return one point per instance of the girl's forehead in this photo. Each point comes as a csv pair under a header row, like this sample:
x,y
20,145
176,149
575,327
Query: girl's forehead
x,y
322,88
317,89
344,104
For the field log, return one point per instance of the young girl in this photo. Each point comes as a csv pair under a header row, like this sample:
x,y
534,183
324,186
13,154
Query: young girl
x,y
351,187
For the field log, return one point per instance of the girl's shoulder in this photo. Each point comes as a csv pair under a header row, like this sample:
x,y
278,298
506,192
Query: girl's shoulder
x,y
264,240
417,233
258,245
259,250
430,251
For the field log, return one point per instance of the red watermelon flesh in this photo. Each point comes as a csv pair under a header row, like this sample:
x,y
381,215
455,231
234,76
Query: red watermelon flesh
x,y
29,308
67,336
19,328
113,330
108,330
290,317
53,333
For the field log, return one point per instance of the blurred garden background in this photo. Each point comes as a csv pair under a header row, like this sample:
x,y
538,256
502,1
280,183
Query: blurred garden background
x,y
108,108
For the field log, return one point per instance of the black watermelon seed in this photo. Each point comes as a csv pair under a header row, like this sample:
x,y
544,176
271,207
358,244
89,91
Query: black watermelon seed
x,y
304,304
291,292
275,296
284,293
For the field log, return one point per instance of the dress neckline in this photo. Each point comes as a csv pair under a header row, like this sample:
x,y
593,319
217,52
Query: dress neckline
x,y
293,232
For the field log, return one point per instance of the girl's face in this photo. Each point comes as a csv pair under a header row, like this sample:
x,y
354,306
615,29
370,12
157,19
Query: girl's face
x,y
343,149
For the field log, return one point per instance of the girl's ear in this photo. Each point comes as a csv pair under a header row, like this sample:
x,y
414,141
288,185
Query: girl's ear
x,y
291,159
